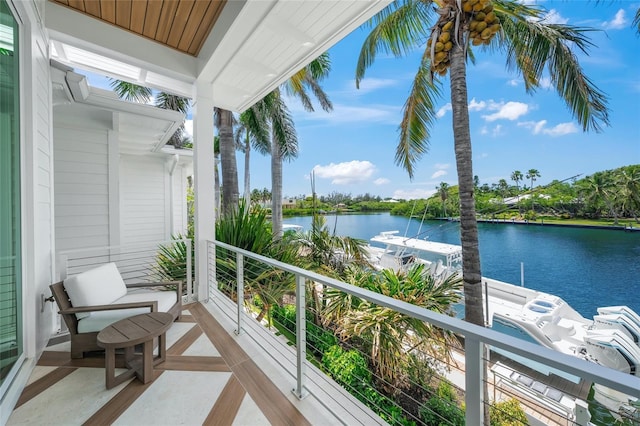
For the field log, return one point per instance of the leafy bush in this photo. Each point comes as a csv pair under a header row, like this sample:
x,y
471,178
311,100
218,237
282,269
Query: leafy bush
x,y
171,259
318,339
507,413
442,408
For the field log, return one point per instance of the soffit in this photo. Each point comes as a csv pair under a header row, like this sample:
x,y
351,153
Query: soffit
x,y
253,47
180,24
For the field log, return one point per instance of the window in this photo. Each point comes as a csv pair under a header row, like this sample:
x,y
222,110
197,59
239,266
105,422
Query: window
x,y
11,347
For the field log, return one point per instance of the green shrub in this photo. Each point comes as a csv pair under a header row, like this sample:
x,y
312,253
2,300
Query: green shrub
x,y
171,259
442,408
507,413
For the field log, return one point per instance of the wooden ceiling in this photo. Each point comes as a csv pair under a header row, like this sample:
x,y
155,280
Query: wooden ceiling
x,y
181,24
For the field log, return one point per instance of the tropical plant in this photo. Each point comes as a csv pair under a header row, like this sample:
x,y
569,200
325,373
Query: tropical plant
x,y
443,408
250,133
387,332
171,259
283,146
517,176
508,413
532,174
531,45
443,192
597,189
224,121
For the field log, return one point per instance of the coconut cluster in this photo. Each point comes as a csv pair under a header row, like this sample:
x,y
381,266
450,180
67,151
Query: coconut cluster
x,y
483,25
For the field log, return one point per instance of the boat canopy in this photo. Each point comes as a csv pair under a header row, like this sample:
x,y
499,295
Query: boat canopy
x,y
452,252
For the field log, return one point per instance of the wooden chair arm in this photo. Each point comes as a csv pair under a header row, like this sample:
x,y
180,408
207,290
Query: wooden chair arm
x,y
176,283
80,309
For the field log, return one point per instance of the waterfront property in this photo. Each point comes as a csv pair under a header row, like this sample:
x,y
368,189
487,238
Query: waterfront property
x,y
245,50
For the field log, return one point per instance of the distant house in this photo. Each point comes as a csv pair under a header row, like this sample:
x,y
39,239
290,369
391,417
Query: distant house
x,y
289,203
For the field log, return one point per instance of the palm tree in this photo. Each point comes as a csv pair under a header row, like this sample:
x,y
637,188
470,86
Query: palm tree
x,y
224,122
272,111
598,188
517,176
532,174
250,133
389,335
443,192
530,45
629,183
503,187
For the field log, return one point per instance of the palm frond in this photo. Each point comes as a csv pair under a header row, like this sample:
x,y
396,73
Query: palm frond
x,y
398,30
533,46
418,116
636,21
282,125
130,91
255,122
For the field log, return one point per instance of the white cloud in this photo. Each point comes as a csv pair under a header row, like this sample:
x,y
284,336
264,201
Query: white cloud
x,y
535,126
553,17
442,111
477,106
438,173
545,83
618,22
497,131
562,129
381,181
508,111
538,127
350,114
513,82
368,85
412,194
346,173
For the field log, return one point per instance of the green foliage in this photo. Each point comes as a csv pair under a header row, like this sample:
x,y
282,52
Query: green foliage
x,y
443,408
171,259
318,339
507,413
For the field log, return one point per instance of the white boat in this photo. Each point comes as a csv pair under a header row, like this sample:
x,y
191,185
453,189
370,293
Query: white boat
x,y
611,338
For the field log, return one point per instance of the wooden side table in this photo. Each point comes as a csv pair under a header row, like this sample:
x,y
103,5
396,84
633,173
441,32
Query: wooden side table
x,y
126,334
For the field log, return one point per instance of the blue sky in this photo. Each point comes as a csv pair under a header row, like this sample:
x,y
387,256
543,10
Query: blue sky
x,y
352,149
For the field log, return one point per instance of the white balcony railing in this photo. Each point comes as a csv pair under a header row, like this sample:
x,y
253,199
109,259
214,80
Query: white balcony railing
x,y
476,340
137,263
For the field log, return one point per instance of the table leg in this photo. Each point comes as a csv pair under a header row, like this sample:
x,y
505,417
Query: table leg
x,y
147,362
110,367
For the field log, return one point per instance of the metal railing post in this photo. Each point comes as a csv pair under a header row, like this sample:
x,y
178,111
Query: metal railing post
x,y
474,372
190,294
301,337
240,287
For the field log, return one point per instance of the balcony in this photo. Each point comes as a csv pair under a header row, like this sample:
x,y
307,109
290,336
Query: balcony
x,y
224,367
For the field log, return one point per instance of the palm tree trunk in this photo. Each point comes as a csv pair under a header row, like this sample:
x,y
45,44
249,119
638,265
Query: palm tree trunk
x,y
229,167
247,182
217,184
276,189
471,273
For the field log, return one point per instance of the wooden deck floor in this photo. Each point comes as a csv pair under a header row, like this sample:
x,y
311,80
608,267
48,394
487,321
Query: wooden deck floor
x,y
207,379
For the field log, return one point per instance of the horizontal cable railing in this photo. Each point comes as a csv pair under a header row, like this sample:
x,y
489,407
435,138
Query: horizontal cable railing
x,y
470,365
137,263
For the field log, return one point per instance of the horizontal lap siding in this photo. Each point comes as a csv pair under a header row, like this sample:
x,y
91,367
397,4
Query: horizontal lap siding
x,y
144,200
81,187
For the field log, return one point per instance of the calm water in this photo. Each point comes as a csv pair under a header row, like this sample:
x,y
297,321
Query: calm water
x,y
586,267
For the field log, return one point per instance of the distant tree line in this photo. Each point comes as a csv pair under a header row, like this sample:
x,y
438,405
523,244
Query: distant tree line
x,y
610,194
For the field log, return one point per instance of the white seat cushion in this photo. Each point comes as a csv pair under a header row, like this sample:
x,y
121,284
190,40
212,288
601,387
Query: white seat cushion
x,y
98,286
99,320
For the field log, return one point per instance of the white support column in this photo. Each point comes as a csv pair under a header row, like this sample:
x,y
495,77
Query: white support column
x,y
203,167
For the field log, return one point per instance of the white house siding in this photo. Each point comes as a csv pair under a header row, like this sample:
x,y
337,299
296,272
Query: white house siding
x,y
179,179
144,203
81,182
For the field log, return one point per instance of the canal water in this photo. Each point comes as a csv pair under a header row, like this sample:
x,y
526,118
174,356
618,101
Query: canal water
x,y
588,268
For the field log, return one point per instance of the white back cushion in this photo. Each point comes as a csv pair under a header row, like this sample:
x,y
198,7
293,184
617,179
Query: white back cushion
x,y
98,286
